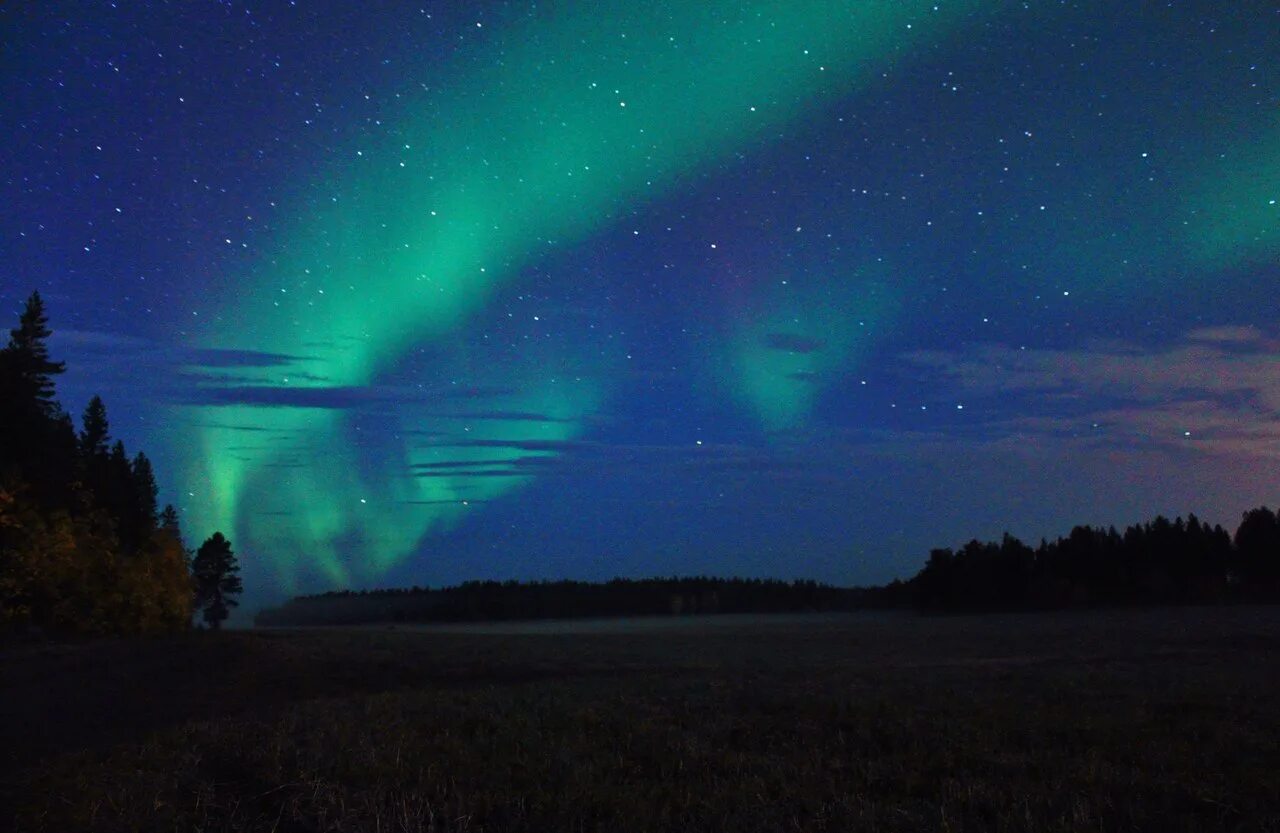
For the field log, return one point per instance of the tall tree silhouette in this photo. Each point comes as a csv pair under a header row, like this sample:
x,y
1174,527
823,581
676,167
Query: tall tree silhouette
x,y
168,520
145,493
145,489
95,430
216,576
34,445
28,358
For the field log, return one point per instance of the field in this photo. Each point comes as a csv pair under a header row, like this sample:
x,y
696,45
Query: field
x,y
1161,720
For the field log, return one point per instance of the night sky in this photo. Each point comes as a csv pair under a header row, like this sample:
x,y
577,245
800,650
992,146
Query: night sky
x,y
413,293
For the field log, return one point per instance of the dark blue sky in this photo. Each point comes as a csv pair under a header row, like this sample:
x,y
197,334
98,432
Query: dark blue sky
x,y
415,293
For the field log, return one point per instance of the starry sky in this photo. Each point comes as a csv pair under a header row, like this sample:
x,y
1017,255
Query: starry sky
x,y
412,293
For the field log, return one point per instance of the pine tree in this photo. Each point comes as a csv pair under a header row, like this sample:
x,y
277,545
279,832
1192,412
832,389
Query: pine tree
x,y
120,463
28,357
145,494
216,576
115,495
27,407
169,521
95,431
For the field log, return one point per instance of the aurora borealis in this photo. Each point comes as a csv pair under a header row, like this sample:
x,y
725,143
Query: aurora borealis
x,y
403,294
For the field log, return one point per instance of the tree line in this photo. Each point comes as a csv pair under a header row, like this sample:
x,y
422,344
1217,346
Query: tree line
x,y
84,547
1158,562
507,600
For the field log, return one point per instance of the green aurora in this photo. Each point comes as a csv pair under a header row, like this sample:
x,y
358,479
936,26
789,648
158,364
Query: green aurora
x,y
542,144
554,128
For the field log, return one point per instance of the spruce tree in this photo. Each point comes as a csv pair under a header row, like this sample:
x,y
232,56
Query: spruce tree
x,y
28,409
169,520
28,357
145,494
114,493
95,431
216,576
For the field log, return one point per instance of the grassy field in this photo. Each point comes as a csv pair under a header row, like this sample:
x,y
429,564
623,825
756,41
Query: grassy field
x,y
1160,720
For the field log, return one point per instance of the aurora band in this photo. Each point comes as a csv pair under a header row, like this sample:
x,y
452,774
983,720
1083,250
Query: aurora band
x,y
548,131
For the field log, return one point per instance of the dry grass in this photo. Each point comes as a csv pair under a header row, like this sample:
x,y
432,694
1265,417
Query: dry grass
x,y
1154,720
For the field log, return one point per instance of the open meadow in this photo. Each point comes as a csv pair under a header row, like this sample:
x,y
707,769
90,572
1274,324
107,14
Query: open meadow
x,y
1107,721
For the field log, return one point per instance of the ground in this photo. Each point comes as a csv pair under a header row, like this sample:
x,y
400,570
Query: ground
x,y
1121,720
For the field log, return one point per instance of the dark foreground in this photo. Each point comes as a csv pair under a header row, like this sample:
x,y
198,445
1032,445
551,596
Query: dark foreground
x,y
1151,720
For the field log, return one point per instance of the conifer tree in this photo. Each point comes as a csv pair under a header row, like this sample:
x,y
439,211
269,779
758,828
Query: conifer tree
x,y
169,521
28,357
145,494
95,431
115,495
216,576
34,447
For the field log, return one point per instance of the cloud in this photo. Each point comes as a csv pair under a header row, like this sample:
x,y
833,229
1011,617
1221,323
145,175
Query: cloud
x,y
500,416
474,392
222,426
467,475
280,396
103,344
726,463
210,357
445,465
1215,391
98,341
231,391
1228,335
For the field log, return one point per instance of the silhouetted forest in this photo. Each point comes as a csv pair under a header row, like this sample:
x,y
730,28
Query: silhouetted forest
x,y
1155,563
494,600
83,546
1160,562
